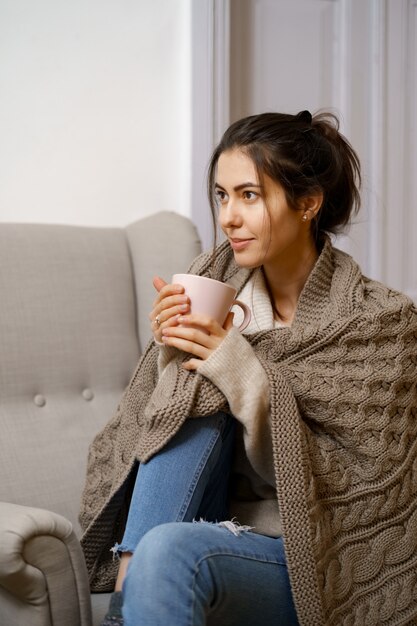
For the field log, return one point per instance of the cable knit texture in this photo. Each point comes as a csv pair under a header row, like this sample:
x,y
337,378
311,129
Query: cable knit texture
x,y
344,420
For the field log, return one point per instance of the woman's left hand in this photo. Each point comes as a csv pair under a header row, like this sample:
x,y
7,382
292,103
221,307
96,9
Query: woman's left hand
x,y
198,335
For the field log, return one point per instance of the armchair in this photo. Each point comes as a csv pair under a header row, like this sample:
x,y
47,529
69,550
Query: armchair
x,y
74,305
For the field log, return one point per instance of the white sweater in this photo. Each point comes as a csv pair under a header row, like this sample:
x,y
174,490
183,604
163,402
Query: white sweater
x,y
236,371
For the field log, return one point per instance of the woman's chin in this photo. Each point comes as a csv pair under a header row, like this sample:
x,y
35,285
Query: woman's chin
x,y
245,262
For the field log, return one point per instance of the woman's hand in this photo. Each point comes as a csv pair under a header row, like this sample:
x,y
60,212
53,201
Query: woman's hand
x,y
198,335
168,306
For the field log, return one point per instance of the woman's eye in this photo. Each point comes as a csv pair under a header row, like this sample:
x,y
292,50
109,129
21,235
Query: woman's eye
x,y
220,196
250,195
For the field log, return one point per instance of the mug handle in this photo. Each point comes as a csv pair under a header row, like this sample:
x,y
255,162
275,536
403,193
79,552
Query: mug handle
x,y
246,313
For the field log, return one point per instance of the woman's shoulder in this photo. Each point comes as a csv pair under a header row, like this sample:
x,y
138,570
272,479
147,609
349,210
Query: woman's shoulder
x,y
368,297
373,288
386,298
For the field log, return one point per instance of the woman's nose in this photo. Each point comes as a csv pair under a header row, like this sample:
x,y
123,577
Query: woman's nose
x,y
230,215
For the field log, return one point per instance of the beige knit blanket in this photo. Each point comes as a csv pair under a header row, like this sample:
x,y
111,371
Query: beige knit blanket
x,y
344,425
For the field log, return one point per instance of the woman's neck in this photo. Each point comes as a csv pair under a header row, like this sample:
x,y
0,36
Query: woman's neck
x,y
286,281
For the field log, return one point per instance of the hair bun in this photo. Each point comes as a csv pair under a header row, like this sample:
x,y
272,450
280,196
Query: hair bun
x,y
305,116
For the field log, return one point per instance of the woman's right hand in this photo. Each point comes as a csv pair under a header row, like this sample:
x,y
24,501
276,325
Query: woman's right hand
x,y
168,306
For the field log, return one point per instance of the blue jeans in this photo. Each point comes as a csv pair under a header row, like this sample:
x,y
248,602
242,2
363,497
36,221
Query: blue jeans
x,y
196,574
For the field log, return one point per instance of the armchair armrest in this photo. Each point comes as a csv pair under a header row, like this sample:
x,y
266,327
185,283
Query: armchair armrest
x,y
43,577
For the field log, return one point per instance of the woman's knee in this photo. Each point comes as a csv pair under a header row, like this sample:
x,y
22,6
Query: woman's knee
x,y
164,536
165,561
161,545
161,578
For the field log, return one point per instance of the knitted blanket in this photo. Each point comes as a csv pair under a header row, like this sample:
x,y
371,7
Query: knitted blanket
x,y
344,424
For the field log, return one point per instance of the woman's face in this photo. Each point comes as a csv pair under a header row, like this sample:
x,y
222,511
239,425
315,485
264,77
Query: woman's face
x,y
258,238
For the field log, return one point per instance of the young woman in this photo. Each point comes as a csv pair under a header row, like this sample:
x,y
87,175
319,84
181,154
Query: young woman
x,y
276,481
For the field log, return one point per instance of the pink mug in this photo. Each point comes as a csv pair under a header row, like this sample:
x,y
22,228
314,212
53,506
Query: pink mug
x,y
211,297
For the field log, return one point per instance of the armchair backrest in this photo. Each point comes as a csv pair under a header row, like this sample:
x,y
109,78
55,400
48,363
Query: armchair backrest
x,y
74,304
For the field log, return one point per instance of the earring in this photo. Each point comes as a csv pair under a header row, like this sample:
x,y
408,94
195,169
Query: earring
x,y
305,217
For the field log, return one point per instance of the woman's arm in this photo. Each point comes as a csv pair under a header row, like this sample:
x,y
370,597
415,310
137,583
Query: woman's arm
x,y
223,355
236,371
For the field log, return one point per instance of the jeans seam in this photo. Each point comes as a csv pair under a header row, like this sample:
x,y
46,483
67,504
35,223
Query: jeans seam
x,y
197,475
249,557
227,553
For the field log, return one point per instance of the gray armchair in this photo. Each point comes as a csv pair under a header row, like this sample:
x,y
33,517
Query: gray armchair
x,y
74,305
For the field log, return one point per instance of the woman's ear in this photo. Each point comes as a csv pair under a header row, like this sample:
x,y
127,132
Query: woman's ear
x,y
310,205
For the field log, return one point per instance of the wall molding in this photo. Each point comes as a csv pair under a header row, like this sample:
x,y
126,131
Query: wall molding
x,y
343,66
395,239
210,80
377,142
410,166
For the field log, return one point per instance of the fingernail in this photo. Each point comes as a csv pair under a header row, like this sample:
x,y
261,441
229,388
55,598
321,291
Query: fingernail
x,y
182,319
183,307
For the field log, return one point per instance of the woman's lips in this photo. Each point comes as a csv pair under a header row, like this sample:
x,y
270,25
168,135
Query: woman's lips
x,y
240,244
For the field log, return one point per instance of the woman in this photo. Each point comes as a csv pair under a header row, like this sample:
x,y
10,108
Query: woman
x,y
312,411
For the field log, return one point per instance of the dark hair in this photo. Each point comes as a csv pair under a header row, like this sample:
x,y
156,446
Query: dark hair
x,y
305,154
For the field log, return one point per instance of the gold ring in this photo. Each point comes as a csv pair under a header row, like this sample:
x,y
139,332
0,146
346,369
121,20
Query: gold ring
x,y
157,321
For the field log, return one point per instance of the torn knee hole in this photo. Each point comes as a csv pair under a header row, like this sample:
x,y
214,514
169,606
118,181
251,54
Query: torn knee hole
x,y
231,525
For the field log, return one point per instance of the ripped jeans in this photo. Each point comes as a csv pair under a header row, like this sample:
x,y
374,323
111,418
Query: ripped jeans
x,y
197,574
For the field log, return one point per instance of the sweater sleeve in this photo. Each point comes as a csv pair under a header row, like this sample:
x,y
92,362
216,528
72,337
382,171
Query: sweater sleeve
x,y
237,372
165,356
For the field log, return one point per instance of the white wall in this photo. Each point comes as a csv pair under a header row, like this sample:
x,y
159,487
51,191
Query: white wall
x,y
94,110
